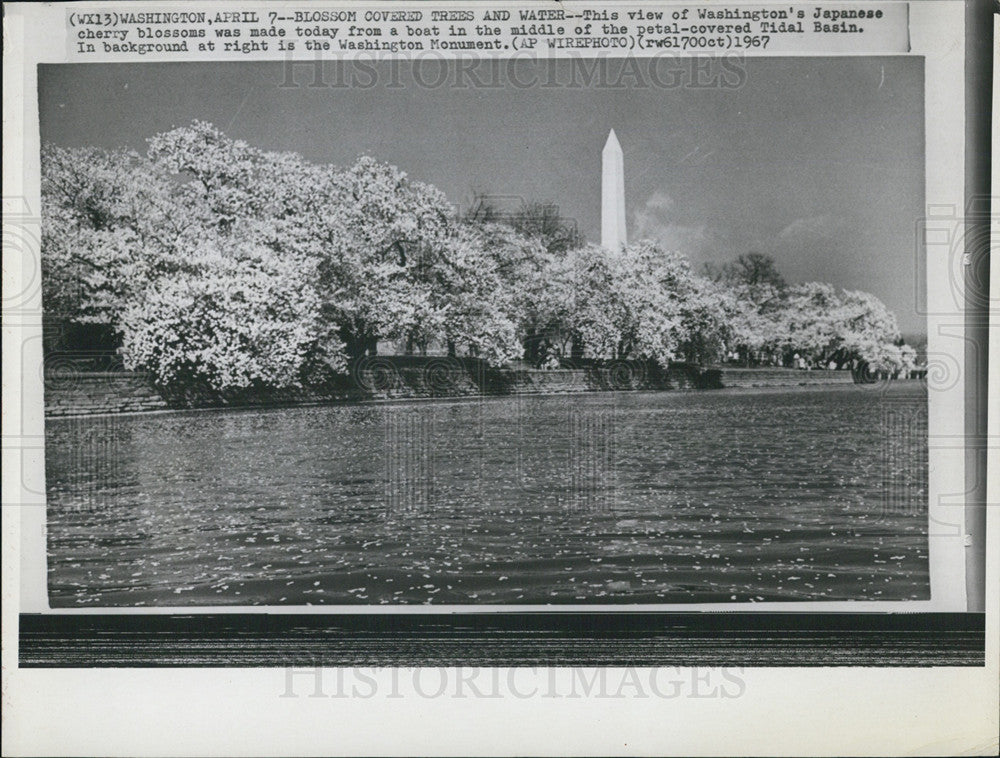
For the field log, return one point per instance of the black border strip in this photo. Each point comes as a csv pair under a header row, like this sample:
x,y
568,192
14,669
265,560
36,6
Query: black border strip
x,y
977,236
502,639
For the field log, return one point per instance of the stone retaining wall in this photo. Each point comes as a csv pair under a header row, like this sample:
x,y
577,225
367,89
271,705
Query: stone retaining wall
x,y
782,377
78,393
82,393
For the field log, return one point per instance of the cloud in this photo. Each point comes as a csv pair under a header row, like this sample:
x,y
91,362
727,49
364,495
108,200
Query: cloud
x,y
653,221
813,228
658,202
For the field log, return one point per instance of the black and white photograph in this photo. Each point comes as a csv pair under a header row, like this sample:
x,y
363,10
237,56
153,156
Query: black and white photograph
x,y
550,378
428,342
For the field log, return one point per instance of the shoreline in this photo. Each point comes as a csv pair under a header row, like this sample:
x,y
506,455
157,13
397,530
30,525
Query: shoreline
x,y
830,380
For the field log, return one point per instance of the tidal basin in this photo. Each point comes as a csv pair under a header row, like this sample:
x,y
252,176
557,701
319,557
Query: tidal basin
x,y
811,493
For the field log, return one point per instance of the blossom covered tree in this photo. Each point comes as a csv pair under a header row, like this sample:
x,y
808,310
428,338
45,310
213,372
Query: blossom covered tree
x,y
176,250
235,317
478,306
636,303
108,227
385,237
216,262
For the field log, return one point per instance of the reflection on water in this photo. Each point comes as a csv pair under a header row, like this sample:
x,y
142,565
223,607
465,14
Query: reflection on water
x,y
753,495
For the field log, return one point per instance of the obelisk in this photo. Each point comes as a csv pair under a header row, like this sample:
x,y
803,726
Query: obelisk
x,y
612,194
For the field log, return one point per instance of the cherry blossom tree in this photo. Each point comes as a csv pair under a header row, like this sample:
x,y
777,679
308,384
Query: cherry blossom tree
x,y
220,263
107,226
639,302
236,317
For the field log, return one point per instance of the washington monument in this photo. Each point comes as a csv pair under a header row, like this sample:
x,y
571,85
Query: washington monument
x,y
612,194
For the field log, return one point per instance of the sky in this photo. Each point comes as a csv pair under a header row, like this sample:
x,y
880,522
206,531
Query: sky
x,y
818,162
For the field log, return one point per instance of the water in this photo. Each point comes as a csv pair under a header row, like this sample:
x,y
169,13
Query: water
x,y
746,495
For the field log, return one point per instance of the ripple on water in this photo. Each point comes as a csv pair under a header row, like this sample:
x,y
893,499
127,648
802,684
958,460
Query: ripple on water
x,y
637,497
